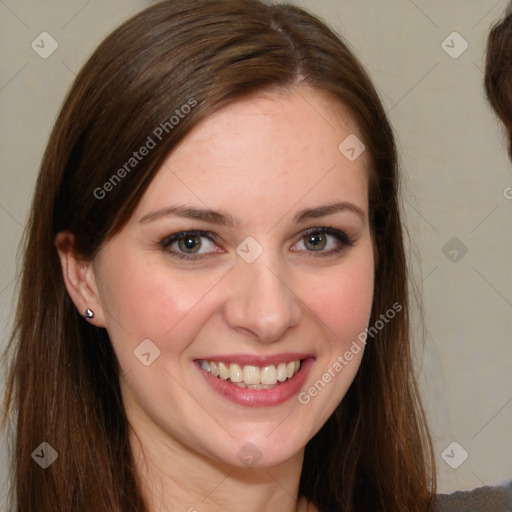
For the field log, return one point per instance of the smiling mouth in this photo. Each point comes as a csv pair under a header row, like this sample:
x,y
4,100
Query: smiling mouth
x,y
252,377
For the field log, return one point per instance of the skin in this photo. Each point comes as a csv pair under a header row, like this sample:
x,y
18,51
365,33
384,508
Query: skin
x,y
260,160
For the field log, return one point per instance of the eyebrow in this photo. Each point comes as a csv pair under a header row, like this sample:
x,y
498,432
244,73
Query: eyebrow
x,y
329,209
214,217
224,219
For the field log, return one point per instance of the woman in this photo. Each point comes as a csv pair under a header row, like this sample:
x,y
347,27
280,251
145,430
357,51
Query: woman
x,y
214,312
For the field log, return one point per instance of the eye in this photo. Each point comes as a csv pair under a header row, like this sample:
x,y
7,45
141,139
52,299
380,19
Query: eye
x,y
190,244
323,240
316,241
187,244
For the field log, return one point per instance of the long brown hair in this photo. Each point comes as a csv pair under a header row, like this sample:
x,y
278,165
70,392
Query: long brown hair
x,y
374,452
498,72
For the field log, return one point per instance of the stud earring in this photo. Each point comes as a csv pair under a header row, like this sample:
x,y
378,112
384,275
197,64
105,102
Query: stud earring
x,y
89,314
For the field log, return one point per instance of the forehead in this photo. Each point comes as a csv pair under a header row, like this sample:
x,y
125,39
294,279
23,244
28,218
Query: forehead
x,y
265,153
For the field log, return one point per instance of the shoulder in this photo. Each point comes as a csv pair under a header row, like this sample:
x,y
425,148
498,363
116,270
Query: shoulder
x,y
483,499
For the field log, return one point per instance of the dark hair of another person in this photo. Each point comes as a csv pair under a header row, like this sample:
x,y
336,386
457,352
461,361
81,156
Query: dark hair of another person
x,y
374,452
498,72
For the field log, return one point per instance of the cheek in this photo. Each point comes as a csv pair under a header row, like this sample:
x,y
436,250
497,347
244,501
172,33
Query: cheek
x,y
144,301
341,306
349,310
343,302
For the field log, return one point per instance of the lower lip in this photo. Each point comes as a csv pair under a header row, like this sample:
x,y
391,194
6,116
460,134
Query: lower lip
x,y
259,397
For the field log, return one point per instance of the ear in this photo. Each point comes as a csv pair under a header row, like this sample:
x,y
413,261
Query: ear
x,y
79,278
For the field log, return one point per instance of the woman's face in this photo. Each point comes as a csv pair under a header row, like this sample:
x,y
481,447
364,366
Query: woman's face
x,y
250,251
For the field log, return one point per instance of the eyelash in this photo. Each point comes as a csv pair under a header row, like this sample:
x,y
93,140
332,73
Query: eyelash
x,y
343,239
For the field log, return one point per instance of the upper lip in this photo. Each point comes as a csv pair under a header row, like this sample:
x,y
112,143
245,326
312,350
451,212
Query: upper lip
x,y
256,360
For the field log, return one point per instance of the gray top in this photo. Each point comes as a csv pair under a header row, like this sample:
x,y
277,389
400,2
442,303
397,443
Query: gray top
x,y
483,499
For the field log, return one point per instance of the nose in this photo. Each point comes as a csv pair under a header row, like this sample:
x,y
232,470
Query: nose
x,y
262,303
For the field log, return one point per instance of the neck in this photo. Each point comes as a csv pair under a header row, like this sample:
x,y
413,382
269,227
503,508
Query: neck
x,y
174,477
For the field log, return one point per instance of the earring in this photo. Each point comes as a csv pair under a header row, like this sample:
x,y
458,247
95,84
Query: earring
x,y
89,314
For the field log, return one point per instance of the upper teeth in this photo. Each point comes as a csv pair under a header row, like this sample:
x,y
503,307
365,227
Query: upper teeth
x,y
249,374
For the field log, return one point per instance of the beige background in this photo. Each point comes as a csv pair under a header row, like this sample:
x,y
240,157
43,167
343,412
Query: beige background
x,y
454,162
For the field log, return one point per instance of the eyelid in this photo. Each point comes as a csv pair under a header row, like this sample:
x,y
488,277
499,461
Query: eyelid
x,y
344,241
337,233
173,238
170,239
